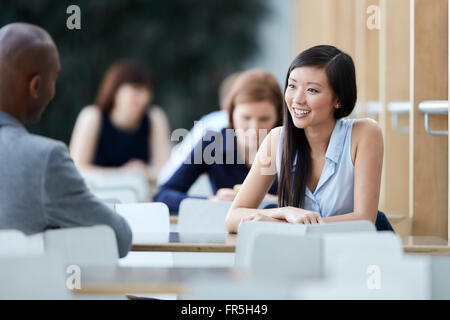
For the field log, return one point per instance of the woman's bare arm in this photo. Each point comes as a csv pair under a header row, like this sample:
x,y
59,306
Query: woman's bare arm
x,y
367,173
256,184
159,141
85,137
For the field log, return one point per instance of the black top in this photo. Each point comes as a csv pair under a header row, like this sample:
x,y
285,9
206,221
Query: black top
x,y
117,146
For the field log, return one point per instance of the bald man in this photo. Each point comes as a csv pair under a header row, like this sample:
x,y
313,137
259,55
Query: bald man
x,y
40,188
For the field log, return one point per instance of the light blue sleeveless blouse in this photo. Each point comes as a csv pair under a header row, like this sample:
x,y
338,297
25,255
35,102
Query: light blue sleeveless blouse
x,y
334,192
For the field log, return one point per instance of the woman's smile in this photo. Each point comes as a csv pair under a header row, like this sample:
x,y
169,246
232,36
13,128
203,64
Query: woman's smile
x,y
300,112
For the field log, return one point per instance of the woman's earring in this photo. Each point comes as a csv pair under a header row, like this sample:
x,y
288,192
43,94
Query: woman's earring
x,y
338,106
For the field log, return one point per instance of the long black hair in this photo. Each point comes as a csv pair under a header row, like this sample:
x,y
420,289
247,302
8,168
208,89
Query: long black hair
x,y
340,71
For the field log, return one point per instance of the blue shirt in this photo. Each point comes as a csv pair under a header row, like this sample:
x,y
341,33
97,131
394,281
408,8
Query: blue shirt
x,y
225,169
214,121
334,192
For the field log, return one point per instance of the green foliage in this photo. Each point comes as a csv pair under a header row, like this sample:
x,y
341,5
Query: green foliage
x,y
191,45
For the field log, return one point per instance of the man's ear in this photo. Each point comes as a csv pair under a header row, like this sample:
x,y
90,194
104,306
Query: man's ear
x,y
35,86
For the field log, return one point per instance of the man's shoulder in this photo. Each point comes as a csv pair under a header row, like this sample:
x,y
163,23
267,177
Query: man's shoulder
x,y
33,148
42,144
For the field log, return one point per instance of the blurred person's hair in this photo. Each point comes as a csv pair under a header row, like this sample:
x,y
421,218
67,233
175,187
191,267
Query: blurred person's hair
x,y
253,86
122,72
225,87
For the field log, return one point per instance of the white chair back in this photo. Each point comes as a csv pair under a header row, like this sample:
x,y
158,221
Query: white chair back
x,y
249,231
96,245
273,251
12,243
38,269
33,277
406,278
146,220
205,216
130,185
198,215
359,249
440,279
270,246
16,243
145,217
340,227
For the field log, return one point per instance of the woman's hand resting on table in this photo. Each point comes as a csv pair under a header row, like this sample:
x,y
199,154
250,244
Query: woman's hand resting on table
x,y
287,214
296,215
260,217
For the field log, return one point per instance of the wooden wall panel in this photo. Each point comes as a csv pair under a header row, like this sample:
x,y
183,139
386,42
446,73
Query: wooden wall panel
x,y
429,81
394,86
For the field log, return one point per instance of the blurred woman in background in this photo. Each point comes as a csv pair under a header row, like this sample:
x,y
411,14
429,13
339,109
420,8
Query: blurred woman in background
x,y
213,121
255,104
123,131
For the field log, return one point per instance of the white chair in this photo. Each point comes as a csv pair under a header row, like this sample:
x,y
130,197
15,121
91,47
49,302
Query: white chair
x,y
205,216
340,227
368,265
359,248
199,215
146,219
104,183
249,231
440,279
36,243
277,247
41,272
16,243
13,243
33,277
406,278
96,245
246,229
83,246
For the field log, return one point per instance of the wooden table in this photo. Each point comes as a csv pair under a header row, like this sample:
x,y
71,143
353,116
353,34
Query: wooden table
x,y
425,244
122,280
223,242
176,280
186,242
395,217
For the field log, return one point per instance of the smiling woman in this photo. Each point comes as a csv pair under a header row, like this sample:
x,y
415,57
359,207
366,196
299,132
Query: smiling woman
x,y
328,168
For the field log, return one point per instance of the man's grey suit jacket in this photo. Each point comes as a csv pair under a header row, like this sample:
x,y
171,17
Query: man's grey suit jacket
x,y
41,189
